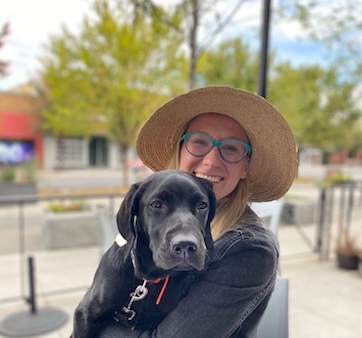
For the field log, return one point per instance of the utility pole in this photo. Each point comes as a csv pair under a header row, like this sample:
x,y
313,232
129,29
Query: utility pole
x,y
263,69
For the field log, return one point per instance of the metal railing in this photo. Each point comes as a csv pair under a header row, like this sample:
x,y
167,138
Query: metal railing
x,y
338,211
26,269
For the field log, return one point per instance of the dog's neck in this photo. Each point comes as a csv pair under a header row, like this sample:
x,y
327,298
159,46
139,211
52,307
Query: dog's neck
x,y
143,265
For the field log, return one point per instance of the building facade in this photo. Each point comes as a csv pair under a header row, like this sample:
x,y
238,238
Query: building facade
x,y
20,135
22,139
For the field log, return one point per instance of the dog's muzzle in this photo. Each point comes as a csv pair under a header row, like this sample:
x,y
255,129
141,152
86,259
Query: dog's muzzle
x,y
181,252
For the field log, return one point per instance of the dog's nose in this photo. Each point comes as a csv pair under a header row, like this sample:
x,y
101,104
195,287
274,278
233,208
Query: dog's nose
x,y
185,249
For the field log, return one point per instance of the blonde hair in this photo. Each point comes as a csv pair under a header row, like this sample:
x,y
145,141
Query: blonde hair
x,y
230,209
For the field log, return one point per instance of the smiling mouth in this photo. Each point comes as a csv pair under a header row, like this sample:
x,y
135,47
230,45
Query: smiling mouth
x,y
212,179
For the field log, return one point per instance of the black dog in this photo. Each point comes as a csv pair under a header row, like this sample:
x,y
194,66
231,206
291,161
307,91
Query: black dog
x,y
166,222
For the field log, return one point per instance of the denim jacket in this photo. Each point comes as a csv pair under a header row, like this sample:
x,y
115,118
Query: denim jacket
x,y
228,299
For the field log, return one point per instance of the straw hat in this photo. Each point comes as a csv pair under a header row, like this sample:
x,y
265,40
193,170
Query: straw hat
x,y
274,161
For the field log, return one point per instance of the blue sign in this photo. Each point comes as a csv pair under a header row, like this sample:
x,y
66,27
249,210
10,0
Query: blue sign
x,y
16,152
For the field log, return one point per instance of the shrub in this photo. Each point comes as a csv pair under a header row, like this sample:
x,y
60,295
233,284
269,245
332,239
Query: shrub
x,y
7,174
64,206
337,177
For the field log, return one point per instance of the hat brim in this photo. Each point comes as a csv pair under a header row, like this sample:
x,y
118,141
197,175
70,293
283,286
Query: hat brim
x,y
274,160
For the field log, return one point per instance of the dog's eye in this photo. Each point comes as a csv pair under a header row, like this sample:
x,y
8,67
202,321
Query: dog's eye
x,y
202,205
157,204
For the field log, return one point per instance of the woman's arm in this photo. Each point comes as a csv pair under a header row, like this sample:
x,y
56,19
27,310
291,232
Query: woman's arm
x,y
222,300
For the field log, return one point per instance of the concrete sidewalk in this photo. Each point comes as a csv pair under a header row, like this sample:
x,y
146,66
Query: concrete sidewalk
x,y
324,302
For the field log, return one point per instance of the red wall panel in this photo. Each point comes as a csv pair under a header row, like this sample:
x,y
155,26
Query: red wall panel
x,y
17,126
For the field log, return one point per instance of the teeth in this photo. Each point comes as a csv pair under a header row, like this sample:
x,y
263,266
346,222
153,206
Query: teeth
x,y
212,179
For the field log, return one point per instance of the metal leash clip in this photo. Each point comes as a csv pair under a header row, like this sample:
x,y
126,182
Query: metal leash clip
x,y
139,293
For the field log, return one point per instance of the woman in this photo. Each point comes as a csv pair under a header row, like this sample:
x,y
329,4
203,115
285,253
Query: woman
x,y
243,145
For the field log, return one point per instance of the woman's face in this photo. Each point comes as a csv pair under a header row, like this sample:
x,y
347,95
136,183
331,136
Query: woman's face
x,y
223,175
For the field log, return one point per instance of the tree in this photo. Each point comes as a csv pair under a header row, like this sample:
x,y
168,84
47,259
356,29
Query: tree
x,y
108,78
208,17
336,24
3,33
318,105
200,23
231,62
131,54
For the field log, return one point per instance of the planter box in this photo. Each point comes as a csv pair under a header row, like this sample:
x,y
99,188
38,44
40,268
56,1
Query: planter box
x,y
70,229
349,262
299,212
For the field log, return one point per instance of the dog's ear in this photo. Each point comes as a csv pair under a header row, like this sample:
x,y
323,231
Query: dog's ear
x,y
128,211
208,238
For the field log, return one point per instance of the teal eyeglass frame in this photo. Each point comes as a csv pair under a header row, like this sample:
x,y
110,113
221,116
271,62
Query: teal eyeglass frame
x,y
218,145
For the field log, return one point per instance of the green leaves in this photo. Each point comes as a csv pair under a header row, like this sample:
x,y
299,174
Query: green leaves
x,y
106,79
231,62
320,107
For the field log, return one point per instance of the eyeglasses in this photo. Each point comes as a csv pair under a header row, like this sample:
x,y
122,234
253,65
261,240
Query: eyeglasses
x,y
231,151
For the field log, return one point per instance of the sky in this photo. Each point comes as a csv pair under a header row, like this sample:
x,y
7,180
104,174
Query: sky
x,y
33,21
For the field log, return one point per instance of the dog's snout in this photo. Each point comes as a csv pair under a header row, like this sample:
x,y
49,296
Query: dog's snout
x,y
185,249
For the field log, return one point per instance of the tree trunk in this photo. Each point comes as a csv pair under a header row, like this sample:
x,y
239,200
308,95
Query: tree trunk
x,y
61,152
195,16
123,163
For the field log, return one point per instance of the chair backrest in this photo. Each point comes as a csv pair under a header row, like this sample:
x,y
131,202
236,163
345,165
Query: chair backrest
x,y
270,212
274,323
108,228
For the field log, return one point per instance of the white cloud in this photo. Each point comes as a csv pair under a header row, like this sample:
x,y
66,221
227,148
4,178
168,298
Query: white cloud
x,y
31,23
288,30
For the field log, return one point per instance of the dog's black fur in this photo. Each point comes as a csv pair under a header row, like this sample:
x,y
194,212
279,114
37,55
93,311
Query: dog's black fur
x,y
166,222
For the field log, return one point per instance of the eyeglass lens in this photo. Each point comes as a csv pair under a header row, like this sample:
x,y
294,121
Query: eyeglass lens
x,y
199,144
